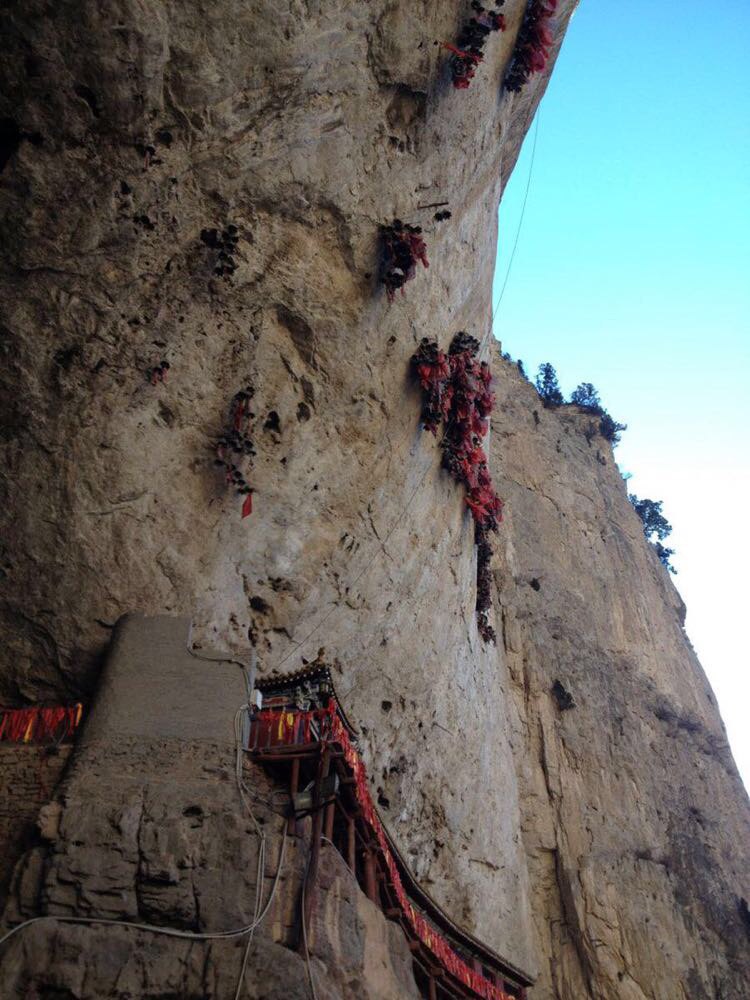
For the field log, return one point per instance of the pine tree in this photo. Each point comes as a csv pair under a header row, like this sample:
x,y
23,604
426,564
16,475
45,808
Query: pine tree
x,y
547,385
585,395
654,523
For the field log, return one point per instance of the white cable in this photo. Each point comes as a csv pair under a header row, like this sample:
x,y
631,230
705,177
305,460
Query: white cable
x,y
258,915
152,928
520,221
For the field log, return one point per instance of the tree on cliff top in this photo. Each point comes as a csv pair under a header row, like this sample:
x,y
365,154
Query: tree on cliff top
x,y
654,523
586,396
547,385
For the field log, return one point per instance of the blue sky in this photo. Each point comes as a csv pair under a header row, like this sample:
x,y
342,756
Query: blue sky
x,y
633,272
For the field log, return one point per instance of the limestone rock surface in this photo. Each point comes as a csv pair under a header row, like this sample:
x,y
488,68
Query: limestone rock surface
x,y
635,821
305,126
130,130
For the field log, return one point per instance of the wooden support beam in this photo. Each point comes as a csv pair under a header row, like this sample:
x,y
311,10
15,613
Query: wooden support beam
x,y
328,830
317,830
293,789
433,988
275,754
371,882
351,845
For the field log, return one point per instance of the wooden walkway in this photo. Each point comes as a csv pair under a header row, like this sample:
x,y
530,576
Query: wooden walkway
x,y
314,749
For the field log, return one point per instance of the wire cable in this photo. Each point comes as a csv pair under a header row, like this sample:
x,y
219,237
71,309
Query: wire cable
x,y
153,928
259,910
520,221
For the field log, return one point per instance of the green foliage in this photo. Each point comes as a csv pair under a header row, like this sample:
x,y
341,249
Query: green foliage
x,y
610,430
586,396
654,523
664,555
548,387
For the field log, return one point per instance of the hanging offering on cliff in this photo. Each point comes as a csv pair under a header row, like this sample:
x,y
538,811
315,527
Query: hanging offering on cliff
x,y
235,444
403,247
533,44
468,51
457,392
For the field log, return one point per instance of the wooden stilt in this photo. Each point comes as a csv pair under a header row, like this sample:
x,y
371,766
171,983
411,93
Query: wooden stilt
x,y
317,830
293,789
371,880
433,988
351,845
328,831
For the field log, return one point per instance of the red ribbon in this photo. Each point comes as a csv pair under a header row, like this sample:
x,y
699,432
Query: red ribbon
x,y
39,725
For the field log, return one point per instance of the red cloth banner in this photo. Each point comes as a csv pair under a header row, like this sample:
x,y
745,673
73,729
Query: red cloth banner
x,y
39,725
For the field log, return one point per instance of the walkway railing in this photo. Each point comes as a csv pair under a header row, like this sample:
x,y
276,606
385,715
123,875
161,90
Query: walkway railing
x,y
291,734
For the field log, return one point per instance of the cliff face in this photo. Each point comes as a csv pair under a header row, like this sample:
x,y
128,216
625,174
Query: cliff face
x,y
553,834
635,822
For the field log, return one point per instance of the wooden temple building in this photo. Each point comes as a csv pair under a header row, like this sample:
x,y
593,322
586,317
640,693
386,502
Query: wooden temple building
x,y
302,732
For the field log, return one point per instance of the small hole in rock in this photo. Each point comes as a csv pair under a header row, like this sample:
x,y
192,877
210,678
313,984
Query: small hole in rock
x,y
272,422
535,584
258,604
386,705
562,696
303,412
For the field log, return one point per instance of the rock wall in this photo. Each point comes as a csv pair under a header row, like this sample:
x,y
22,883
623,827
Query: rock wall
x,y
305,125
635,821
28,778
148,828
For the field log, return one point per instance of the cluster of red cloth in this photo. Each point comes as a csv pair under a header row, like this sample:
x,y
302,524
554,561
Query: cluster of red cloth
x,y
39,725
467,53
281,727
533,44
458,391
403,247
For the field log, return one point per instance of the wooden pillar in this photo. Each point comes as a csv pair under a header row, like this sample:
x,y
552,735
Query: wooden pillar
x,y
371,881
328,832
351,845
293,789
317,830
433,988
